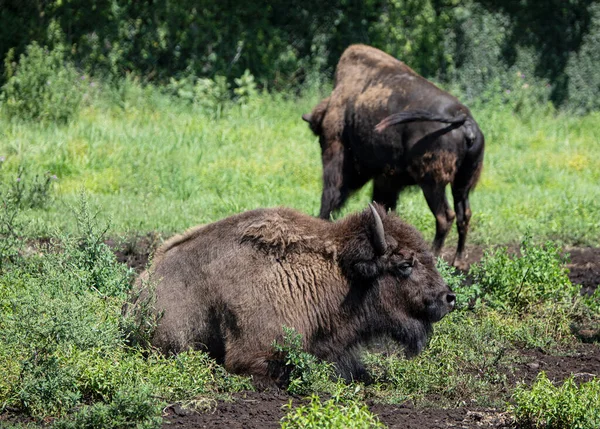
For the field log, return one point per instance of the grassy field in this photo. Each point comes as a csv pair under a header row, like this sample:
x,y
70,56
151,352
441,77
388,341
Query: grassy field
x,y
151,163
162,166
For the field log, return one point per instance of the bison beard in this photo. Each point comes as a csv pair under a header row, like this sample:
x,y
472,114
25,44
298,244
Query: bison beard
x,y
229,287
385,122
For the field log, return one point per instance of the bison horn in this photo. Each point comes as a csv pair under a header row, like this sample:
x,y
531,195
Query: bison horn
x,y
378,233
307,117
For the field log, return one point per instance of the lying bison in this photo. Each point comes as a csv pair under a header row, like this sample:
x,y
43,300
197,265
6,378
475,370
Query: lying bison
x,y
385,122
229,288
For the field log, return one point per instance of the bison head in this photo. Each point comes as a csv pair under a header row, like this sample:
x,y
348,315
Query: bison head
x,y
392,273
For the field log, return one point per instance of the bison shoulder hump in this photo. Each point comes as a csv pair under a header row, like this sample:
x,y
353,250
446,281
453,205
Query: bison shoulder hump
x,y
278,235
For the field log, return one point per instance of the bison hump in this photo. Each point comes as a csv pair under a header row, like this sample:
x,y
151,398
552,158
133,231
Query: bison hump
x,y
275,234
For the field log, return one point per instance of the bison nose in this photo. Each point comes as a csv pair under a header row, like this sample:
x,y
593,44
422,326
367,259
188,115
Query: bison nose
x,y
451,299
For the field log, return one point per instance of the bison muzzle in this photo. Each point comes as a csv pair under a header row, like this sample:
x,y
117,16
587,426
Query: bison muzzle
x,y
229,287
385,122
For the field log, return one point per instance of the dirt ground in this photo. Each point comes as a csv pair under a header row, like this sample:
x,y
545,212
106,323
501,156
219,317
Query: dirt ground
x,y
264,409
254,410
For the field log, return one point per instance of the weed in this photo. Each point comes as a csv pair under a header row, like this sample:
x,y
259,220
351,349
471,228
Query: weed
x,y
46,386
329,414
306,373
128,408
517,283
466,295
569,406
246,88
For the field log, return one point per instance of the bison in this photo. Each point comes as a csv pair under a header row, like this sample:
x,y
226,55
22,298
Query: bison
x,y
229,288
385,122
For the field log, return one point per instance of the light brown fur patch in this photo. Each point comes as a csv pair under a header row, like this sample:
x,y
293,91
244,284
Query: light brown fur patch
x,y
277,235
178,239
374,97
440,166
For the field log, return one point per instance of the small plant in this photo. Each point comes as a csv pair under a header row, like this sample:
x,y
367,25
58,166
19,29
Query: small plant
x,y
570,406
329,414
10,232
466,295
47,387
307,373
44,86
134,407
89,253
515,283
30,192
212,96
246,88
140,319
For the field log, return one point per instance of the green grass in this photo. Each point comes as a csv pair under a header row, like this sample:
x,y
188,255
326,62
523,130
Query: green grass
x,y
163,166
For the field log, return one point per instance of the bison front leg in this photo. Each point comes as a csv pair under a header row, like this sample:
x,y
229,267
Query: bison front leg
x,y
435,194
386,192
335,179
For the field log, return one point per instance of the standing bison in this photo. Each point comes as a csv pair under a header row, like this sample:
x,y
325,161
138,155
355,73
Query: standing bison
x,y
229,288
385,122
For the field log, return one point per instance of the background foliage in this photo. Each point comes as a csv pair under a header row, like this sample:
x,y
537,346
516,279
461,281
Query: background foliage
x,y
286,44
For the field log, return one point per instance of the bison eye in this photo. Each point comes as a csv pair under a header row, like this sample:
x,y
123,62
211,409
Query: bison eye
x,y
404,269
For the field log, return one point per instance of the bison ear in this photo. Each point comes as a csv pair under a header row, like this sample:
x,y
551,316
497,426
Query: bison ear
x,y
307,117
377,233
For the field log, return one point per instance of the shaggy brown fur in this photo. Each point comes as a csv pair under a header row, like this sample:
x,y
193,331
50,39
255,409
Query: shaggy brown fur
x,y
229,288
385,122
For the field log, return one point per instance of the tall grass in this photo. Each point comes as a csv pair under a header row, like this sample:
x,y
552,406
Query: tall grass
x,y
157,164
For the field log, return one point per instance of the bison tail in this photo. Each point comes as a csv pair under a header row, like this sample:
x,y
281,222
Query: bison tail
x,y
418,116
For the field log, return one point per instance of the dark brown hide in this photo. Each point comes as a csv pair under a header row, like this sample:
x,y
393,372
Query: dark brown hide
x,y
229,288
385,122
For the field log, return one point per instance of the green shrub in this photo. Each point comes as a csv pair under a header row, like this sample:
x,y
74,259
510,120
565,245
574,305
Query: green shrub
x,y
44,86
18,192
134,407
329,414
465,294
62,338
307,373
46,386
246,88
212,95
569,406
582,68
520,282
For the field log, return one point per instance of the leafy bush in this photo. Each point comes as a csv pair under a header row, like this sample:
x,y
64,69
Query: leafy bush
x,y
46,387
517,283
329,414
26,191
465,294
17,193
44,86
570,406
212,96
246,88
582,68
130,408
63,342
306,373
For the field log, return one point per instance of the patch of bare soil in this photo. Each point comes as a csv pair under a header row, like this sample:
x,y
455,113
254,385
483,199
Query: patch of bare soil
x,y
264,409
254,410
135,251
584,268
